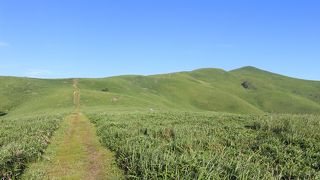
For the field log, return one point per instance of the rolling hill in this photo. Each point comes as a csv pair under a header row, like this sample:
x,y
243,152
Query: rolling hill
x,y
141,123
29,95
247,90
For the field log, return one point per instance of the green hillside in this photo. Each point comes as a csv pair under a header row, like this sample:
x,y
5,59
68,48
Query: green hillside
x,y
205,90
143,121
277,93
29,95
246,90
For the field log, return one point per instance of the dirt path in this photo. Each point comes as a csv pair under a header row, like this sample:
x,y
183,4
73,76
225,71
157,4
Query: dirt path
x,y
75,152
76,95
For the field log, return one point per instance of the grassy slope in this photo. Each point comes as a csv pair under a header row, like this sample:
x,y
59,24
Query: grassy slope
x,y
199,90
176,91
21,96
205,90
276,93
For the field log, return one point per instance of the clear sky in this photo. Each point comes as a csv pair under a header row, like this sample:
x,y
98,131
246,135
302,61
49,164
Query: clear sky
x,y
99,38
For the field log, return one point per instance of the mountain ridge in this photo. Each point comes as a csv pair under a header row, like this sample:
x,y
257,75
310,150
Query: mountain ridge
x,y
194,70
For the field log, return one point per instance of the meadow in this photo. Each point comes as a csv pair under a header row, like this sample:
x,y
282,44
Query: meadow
x,y
203,124
24,140
185,145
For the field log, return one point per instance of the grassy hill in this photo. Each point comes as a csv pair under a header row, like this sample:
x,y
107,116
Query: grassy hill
x,y
277,93
246,90
29,95
148,117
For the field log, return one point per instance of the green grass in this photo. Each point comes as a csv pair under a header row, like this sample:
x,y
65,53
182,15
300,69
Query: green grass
x,y
20,96
199,90
33,110
36,105
73,152
23,140
206,90
188,145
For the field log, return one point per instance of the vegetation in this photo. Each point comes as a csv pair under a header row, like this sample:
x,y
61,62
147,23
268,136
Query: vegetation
x,y
199,90
212,145
152,141
23,140
74,153
20,96
205,90
3,113
33,110
105,90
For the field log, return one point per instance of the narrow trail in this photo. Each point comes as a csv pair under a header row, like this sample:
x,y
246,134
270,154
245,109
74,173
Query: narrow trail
x,y
75,151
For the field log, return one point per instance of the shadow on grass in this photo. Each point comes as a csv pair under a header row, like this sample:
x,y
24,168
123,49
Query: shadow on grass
x,y
3,113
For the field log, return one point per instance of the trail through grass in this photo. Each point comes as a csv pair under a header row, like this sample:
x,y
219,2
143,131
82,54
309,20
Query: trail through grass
x,y
75,152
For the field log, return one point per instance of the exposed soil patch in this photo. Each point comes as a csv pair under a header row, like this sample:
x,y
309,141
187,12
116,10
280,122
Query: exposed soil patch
x,y
115,99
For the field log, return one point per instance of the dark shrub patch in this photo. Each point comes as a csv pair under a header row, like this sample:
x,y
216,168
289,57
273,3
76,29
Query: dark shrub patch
x,y
3,113
105,90
254,126
247,85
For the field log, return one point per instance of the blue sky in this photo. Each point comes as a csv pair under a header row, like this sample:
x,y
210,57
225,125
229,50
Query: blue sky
x,y
99,38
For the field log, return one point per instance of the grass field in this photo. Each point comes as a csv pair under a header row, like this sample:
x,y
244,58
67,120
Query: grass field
x,y
175,145
23,140
207,123
75,153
